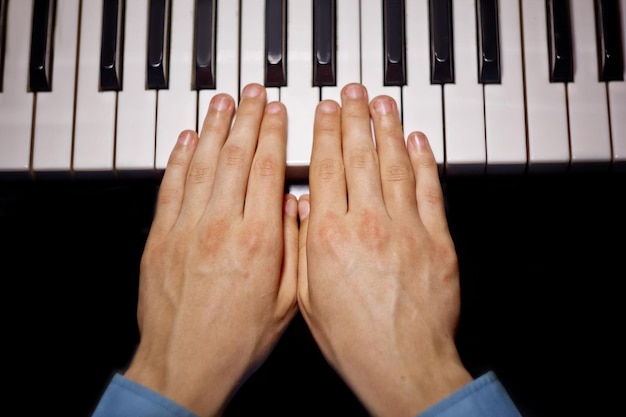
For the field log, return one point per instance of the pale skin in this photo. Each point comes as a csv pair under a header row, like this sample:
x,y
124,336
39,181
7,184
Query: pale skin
x,y
378,280
372,266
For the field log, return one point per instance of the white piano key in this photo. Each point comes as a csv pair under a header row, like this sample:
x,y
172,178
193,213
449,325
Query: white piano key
x,y
136,106
176,106
94,135
348,49
505,126
253,46
372,63
16,103
421,101
227,62
54,115
617,108
300,96
546,108
463,100
298,190
590,141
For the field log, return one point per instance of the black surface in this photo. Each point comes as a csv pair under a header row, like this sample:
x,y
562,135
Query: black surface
x,y
542,268
441,42
488,42
275,43
3,30
609,40
394,43
112,45
204,45
324,41
42,45
158,44
558,19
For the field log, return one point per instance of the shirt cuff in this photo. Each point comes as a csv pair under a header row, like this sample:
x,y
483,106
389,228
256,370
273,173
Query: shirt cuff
x,y
124,398
485,397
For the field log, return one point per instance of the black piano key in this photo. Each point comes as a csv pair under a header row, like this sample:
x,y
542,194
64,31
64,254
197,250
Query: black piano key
x,y
275,43
609,41
42,45
205,38
394,42
324,43
488,41
158,44
441,46
3,25
112,45
560,41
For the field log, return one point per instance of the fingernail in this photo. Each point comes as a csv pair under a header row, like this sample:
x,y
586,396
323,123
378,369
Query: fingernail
x,y
383,105
419,140
304,208
328,106
355,91
273,107
252,90
184,138
291,207
220,103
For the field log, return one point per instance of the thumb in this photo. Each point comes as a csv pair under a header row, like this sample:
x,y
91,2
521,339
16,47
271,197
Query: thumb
x,y
288,284
303,212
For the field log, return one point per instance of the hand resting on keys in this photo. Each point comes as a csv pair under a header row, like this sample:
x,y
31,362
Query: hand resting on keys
x,y
372,267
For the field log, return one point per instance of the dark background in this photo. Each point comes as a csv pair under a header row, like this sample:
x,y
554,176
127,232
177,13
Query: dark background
x,y
542,261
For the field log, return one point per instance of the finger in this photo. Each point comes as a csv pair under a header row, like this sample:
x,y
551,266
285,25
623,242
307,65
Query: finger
x,y
396,172
172,188
359,153
327,180
203,167
235,158
303,283
429,194
267,176
289,277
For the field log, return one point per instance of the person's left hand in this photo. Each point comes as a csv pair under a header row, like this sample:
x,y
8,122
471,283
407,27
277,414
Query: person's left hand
x,y
218,274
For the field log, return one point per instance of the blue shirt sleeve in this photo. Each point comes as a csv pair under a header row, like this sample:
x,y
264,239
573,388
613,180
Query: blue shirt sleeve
x,y
125,398
483,397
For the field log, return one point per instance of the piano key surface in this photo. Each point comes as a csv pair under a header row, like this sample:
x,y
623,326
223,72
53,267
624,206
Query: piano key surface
x,y
95,118
546,106
526,122
16,101
590,141
136,104
505,128
54,110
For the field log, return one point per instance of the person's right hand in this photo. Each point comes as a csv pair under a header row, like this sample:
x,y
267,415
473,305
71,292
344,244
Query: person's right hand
x,y
378,279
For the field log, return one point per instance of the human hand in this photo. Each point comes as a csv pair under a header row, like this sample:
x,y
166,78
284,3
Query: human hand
x,y
378,279
218,275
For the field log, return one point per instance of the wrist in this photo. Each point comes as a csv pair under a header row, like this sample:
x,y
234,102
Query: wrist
x,y
407,389
184,385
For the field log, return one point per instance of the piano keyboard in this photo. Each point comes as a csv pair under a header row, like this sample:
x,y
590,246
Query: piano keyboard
x,y
92,88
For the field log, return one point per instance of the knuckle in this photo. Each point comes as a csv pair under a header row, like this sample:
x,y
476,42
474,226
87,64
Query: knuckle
x,y
432,196
233,155
266,166
328,168
168,194
395,173
362,158
199,174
